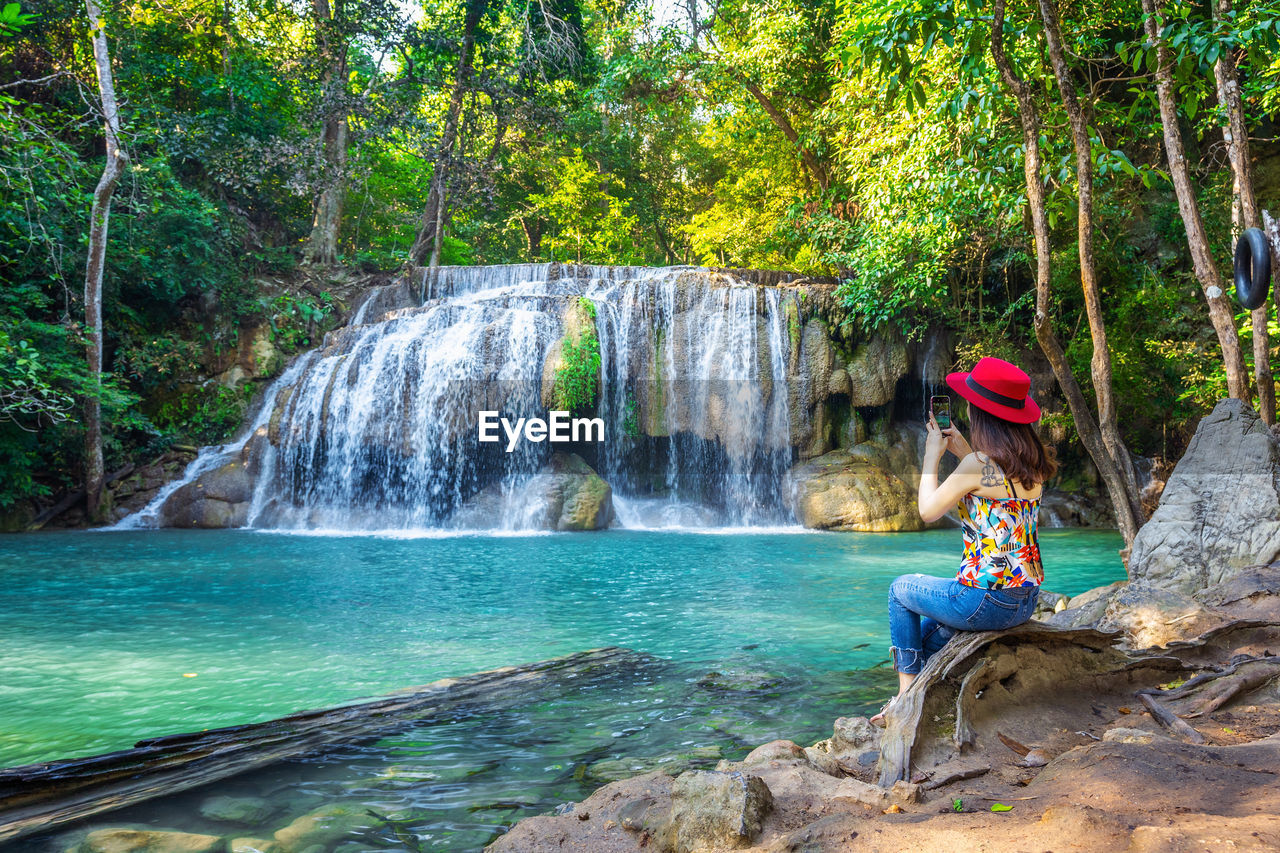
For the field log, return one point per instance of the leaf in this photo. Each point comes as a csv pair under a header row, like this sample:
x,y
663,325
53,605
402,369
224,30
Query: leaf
x,y
1013,744
1001,807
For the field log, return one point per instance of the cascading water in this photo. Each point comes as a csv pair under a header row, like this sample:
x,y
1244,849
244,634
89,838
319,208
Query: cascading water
x,y
377,429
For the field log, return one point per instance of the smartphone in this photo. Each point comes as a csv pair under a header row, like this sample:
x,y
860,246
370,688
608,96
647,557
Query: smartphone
x,y
941,408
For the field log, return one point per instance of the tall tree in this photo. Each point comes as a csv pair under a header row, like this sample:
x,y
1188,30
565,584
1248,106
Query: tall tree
x,y
1235,134
427,245
329,22
1220,313
1086,425
99,218
1100,364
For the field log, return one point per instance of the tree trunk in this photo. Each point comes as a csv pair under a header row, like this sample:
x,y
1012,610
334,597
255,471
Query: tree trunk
x,y
1086,426
426,246
322,245
1100,364
1236,135
532,236
1220,312
99,218
810,160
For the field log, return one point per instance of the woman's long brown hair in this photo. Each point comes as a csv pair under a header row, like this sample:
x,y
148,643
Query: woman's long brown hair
x,y
1016,448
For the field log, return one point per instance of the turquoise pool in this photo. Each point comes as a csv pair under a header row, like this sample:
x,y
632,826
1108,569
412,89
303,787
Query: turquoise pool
x,y
106,638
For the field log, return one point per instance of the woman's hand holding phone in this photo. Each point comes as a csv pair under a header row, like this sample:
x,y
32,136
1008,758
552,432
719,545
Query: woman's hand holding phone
x,y
935,441
956,442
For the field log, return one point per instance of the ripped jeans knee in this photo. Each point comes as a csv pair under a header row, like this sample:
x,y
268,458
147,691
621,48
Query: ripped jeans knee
x,y
909,661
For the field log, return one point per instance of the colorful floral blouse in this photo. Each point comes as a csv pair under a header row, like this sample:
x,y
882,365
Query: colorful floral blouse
x,y
1000,546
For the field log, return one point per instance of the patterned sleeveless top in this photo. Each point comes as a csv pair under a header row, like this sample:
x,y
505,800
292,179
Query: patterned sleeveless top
x,y
1000,545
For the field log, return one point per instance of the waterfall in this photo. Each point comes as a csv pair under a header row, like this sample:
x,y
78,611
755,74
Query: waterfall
x,y
377,428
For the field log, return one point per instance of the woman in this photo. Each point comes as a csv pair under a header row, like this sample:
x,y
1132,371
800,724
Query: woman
x,y
997,487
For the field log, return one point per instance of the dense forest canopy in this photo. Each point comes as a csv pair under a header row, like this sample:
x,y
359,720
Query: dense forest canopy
x,y
873,140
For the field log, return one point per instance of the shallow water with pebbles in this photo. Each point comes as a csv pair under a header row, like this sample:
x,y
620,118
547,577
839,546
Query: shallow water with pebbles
x,y
744,636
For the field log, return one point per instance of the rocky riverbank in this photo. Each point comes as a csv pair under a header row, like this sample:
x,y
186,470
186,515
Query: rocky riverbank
x,y
1143,716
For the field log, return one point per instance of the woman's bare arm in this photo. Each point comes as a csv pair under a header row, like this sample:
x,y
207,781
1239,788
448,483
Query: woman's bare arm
x,y
935,500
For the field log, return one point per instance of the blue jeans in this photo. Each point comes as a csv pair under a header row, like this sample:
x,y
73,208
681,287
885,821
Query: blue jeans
x,y
926,611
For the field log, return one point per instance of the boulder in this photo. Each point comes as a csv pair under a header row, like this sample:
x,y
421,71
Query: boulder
x,y
119,840
1151,615
711,810
252,845
875,368
230,483
248,811
1085,609
1220,511
571,494
775,750
216,499
839,491
206,514
621,816
326,826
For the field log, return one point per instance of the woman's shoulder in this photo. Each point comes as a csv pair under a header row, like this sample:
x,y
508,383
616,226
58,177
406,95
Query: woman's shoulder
x,y
991,477
978,464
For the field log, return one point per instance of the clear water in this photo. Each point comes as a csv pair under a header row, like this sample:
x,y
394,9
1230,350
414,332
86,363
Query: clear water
x,y
100,633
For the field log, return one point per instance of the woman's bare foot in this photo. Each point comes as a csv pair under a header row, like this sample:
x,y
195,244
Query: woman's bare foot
x,y
904,681
878,719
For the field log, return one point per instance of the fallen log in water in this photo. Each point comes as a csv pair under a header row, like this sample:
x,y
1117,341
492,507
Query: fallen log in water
x,y
38,797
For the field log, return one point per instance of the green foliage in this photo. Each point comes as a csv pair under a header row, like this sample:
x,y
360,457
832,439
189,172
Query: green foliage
x,y
298,321
577,381
631,417
29,392
158,361
587,221
208,414
12,18
870,140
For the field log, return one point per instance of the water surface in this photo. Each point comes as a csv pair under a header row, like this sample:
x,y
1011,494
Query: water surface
x,y
106,638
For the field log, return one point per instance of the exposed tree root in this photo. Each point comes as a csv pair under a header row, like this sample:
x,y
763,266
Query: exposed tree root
x,y
1208,692
1168,719
1032,679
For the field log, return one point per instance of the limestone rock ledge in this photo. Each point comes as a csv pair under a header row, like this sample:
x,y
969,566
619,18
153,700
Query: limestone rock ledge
x,y
565,494
1210,553
568,495
841,491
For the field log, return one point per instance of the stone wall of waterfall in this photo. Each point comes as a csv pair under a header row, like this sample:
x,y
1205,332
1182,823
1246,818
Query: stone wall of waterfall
x,y
716,390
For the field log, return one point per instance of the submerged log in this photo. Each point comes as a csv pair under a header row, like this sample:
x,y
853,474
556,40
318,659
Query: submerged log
x,y
38,797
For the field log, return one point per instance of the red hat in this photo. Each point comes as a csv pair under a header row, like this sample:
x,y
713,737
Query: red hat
x,y
998,387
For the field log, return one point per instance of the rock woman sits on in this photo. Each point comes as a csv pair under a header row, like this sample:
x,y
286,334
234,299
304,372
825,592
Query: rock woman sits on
x,y
996,489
